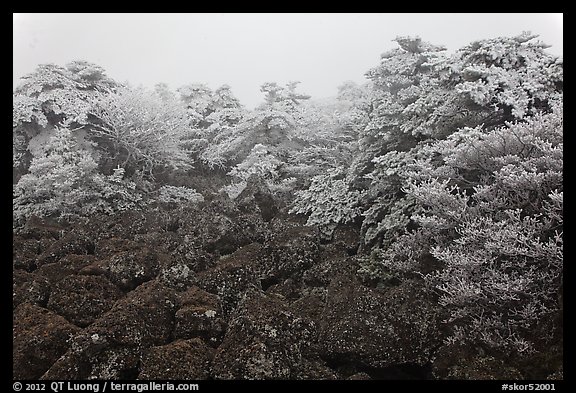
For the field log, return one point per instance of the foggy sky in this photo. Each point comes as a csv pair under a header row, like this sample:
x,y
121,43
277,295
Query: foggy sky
x,y
245,50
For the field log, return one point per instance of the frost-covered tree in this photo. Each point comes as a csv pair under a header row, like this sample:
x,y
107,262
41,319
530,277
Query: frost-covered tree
x,y
297,137
177,195
321,140
52,96
64,182
197,97
211,114
140,131
491,218
163,91
357,101
285,98
329,201
260,163
270,125
422,95
513,76
226,112
230,147
202,103
222,98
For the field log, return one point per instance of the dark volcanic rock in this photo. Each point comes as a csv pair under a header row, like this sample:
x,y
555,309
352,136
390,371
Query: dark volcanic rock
x,y
177,274
128,269
106,248
72,365
111,347
359,376
29,288
330,267
467,362
379,328
25,252
200,315
39,338
287,255
347,237
82,299
313,369
257,198
470,361
219,228
41,228
73,242
66,266
232,276
264,340
180,271
288,288
114,363
311,305
223,235
181,359
144,317
195,296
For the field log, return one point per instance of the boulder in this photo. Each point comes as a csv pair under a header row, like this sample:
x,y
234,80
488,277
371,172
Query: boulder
x,y
347,238
330,267
107,247
25,252
83,299
361,376
29,288
179,360
287,289
41,228
200,315
144,317
257,198
264,340
73,242
67,265
232,276
111,347
455,361
128,269
219,228
39,338
311,304
179,271
313,370
287,255
379,328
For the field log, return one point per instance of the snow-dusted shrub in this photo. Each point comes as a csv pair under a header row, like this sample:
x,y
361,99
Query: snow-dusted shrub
x,y
421,96
141,131
178,195
64,182
512,74
329,201
54,96
260,162
266,126
492,219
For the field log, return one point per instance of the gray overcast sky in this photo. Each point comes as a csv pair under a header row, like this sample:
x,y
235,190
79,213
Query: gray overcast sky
x,y
246,50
